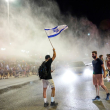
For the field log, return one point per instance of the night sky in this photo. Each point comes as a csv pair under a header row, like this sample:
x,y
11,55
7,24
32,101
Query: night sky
x,y
96,11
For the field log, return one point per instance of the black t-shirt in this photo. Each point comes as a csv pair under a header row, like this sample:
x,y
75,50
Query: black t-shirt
x,y
97,69
48,66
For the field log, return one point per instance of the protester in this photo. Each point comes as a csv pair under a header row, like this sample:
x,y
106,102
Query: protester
x,y
108,65
6,73
1,73
27,71
97,76
33,71
101,57
49,81
14,71
10,72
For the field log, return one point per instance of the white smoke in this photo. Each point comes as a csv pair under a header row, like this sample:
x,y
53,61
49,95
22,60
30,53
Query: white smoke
x,y
26,32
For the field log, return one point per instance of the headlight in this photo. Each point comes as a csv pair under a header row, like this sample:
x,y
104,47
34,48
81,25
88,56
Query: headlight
x,y
88,72
69,76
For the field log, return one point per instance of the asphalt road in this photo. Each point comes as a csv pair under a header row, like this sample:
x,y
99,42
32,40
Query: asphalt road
x,y
73,92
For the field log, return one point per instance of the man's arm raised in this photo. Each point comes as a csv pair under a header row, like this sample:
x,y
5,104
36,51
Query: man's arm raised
x,y
54,54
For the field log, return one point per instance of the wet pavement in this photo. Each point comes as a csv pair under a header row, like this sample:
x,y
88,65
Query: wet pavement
x,y
12,81
73,92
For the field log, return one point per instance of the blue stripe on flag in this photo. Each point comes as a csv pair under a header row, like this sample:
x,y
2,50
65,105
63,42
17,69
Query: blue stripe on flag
x,y
57,33
51,29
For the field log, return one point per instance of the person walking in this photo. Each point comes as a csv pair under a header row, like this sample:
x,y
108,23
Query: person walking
x,y
101,57
98,76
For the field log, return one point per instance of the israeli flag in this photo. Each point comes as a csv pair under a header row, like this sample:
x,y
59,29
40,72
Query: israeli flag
x,y
55,31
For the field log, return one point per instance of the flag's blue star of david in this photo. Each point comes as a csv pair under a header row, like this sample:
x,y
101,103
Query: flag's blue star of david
x,y
55,30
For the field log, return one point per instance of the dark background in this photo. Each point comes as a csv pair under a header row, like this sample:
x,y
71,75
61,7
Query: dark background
x,y
96,11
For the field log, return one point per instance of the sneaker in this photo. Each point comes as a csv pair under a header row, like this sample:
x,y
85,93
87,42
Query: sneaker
x,y
107,98
97,98
46,104
53,104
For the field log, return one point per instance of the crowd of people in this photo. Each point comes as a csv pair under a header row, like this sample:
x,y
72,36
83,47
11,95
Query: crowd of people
x,y
17,69
100,71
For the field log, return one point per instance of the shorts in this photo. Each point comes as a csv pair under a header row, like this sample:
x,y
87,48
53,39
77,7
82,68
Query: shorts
x,y
46,83
98,79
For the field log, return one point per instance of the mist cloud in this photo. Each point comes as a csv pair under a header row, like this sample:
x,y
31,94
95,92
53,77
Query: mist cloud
x,y
26,32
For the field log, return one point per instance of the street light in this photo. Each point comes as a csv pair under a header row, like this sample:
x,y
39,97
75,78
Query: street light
x,y
8,5
88,34
8,9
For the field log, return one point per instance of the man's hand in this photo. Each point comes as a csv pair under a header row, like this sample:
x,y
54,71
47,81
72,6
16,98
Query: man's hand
x,y
52,71
104,75
53,49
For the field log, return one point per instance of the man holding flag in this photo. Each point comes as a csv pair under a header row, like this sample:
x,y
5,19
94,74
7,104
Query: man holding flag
x,y
48,80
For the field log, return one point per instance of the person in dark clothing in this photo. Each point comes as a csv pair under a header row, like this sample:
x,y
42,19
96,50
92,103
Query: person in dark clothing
x,y
98,76
101,57
49,81
1,72
6,73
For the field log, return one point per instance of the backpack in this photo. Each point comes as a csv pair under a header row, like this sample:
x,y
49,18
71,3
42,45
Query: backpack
x,y
42,71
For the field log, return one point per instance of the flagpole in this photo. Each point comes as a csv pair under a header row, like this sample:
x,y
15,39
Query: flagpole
x,y
49,40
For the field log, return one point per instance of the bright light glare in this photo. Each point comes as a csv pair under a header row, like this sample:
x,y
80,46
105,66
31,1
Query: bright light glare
x,y
69,77
9,0
22,50
88,34
3,48
88,73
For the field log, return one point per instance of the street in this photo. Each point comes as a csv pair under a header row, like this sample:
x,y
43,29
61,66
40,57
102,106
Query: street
x,y
73,92
69,39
